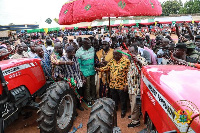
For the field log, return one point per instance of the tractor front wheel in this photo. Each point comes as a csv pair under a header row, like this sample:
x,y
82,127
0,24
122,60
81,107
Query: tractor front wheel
x,y
57,109
103,116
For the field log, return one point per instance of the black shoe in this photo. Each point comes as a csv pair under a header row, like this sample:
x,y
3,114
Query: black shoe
x,y
81,108
131,125
89,104
129,116
123,114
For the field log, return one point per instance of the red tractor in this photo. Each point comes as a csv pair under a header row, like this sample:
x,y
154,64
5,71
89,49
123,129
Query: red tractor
x,y
169,102
170,99
22,81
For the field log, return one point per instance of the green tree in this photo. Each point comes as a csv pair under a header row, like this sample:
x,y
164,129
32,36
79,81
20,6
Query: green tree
x,y
171,7
192,6
183,10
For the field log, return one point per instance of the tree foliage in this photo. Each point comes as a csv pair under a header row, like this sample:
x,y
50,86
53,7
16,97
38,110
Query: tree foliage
x,y
177,7
192,6
171,7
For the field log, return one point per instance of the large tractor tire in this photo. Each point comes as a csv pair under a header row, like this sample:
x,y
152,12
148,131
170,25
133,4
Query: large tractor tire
x,y
103,116
150,126
57,109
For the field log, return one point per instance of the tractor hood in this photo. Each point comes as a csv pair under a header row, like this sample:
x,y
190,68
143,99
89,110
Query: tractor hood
x,y
177,82
179,85
5,64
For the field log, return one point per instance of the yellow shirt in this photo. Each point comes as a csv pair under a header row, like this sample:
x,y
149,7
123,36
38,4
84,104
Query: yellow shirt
x,y
118,72
107,57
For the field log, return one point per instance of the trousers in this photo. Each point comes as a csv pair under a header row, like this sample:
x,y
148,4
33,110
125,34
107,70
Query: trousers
x,y
135,110
90,89
80,92
117,95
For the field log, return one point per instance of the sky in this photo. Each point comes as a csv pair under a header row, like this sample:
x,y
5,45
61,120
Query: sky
x,y
31,11
28,11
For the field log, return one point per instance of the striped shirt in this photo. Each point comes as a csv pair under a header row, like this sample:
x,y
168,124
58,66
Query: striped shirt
x,y
70,71
86,61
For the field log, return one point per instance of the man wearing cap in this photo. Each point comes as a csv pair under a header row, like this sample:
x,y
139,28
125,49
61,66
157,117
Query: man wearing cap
x,y
192,54
71,71
118,67
55,60
180,55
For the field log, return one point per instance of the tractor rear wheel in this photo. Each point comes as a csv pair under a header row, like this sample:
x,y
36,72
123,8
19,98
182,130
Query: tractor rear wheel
x,y
57,109
103,116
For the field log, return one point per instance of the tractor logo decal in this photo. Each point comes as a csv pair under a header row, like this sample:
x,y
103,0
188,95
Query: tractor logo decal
x,y
17,68
183,116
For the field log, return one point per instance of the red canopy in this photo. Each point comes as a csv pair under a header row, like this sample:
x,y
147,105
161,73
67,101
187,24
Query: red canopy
x,y
88,10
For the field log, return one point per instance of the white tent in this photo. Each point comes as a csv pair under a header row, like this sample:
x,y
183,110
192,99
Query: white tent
x,y
82,24
170,19
53,24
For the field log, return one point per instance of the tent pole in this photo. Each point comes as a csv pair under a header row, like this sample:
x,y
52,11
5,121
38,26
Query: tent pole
x,y
109,27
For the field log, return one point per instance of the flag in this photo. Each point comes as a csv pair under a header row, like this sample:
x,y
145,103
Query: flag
x,y
46,30
156,23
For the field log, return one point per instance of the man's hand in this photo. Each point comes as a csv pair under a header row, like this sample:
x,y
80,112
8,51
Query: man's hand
x,y
83,79
61,76
69,63
105,62
183,39
101,64
97,69
126,88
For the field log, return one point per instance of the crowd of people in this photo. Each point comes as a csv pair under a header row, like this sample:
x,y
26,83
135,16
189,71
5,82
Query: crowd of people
x,y
104,65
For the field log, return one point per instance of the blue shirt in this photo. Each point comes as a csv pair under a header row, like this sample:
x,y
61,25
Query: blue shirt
x,y
46,64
